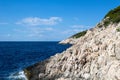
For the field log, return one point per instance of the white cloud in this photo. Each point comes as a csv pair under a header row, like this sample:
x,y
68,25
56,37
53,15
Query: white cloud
x,y
66,32
72,31
5,35
37,32
80,27
8,35
35,21
35,35
75,29
49,29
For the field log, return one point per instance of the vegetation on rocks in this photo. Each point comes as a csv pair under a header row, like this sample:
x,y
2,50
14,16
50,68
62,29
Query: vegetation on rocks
x,y
79,34
118,29
95,56
113,16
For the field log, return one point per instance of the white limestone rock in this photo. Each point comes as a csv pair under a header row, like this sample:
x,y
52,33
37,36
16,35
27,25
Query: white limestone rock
x,y
95,56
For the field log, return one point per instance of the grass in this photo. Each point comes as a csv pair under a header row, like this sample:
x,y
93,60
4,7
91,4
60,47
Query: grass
x,y
113,16
78,35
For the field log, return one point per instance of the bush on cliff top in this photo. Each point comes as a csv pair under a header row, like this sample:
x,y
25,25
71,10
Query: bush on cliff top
x,y
79,34
113,16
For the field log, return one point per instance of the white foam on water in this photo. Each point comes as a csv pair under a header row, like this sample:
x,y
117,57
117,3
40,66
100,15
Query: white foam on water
x,y
18,76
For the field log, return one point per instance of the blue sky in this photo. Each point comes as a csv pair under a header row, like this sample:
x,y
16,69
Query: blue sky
x,y
49,20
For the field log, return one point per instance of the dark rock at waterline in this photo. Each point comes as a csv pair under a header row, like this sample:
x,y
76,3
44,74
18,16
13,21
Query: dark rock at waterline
x,y
32,72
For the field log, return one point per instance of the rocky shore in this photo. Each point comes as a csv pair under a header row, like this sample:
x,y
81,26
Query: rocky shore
x,y
94,56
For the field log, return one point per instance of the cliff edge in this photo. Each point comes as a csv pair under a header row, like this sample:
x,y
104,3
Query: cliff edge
x,y
93,56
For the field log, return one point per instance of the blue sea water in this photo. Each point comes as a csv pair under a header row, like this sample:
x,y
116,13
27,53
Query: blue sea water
x,y
15,56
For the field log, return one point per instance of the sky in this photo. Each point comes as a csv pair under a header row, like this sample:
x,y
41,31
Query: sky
x,y
50,20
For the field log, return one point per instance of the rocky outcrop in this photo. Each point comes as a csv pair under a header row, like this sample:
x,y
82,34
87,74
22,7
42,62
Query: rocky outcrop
x,y
69,41
94,56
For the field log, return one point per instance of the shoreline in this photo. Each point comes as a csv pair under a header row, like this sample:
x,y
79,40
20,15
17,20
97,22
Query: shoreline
x,y
87,59
17,75
29,57
32,72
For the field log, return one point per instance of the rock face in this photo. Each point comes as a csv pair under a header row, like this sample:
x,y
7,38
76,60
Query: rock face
x,y
69,41
95,56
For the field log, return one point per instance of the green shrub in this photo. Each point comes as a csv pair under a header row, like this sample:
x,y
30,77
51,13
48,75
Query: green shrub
x,y
99,25
113,16
106,23
79,34
118,29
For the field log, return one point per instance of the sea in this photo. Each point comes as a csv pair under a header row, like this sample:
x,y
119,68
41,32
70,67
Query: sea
x,y
16,56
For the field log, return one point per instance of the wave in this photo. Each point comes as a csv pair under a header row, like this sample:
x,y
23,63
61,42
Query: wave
x,y
18,76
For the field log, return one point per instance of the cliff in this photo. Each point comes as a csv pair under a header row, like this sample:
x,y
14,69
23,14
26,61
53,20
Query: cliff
x,y
93,56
